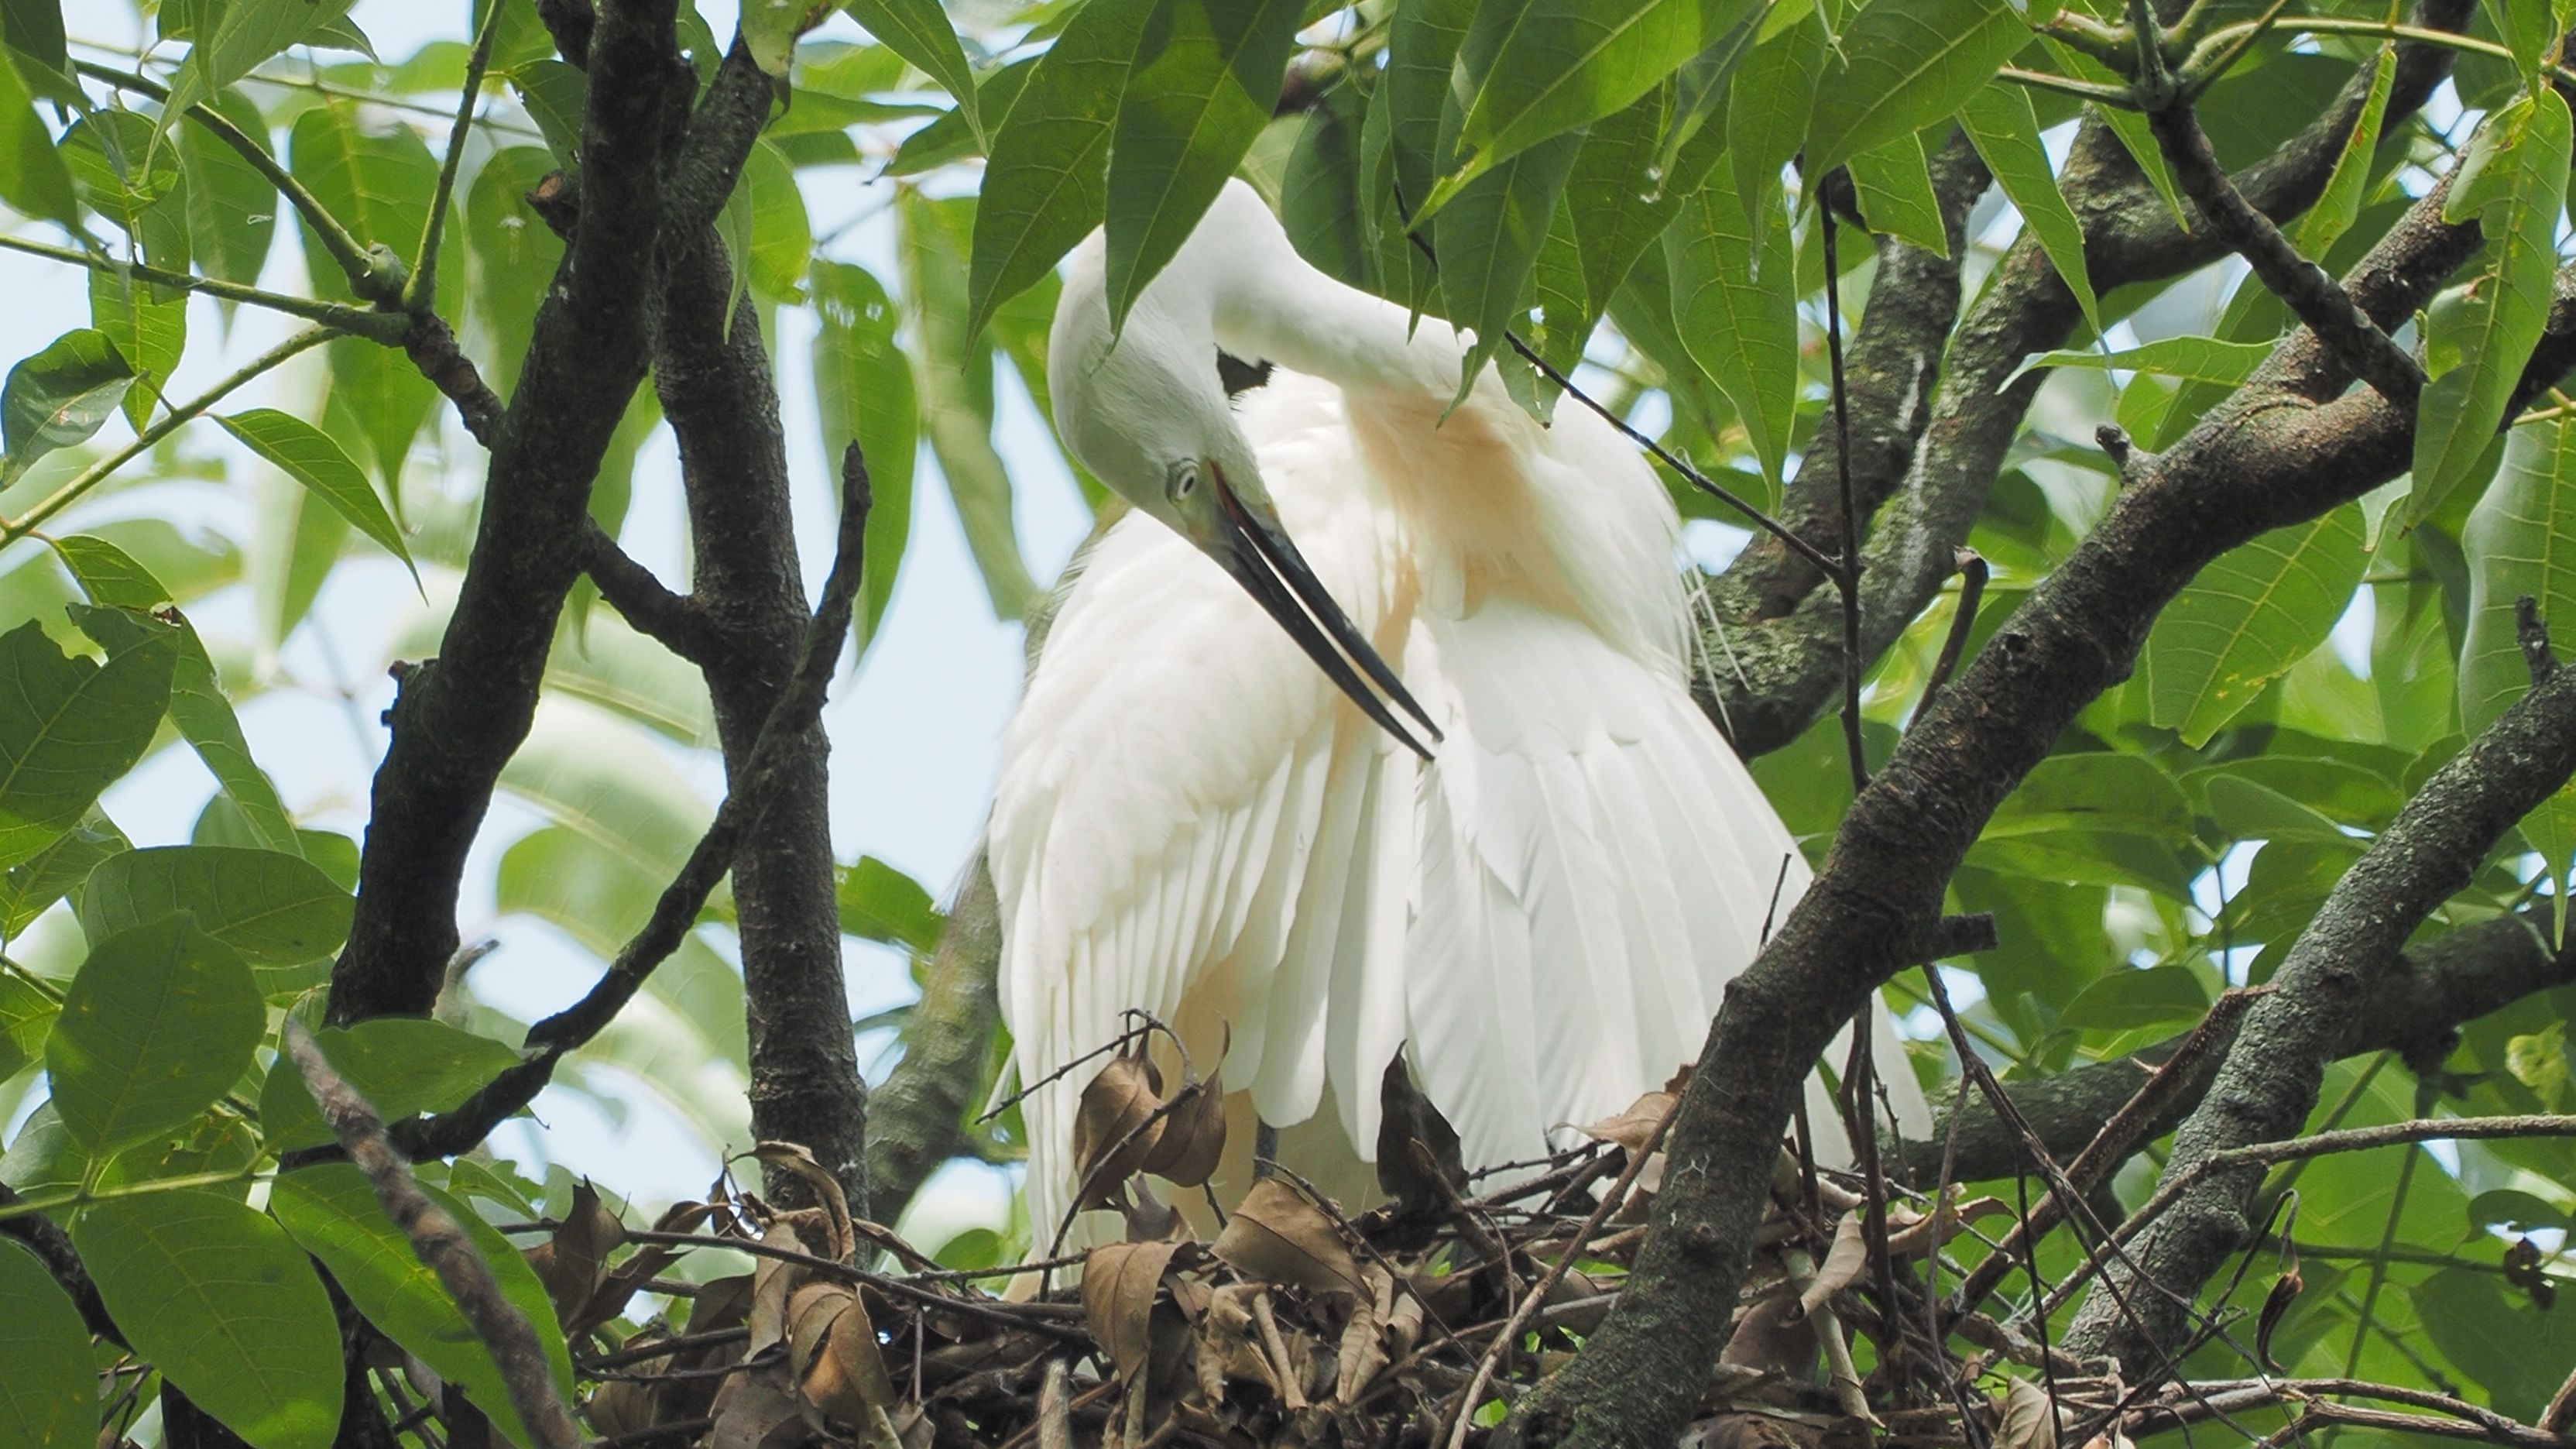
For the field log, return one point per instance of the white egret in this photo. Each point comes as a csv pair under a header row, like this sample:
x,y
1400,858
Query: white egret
x,y
1535,881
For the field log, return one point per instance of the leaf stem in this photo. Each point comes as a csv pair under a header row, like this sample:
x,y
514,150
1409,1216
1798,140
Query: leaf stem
x,y
366,278
382,327
83,1196
91,476
420,290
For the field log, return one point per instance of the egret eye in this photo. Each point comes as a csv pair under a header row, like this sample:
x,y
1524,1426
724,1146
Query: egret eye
x,y
1185,481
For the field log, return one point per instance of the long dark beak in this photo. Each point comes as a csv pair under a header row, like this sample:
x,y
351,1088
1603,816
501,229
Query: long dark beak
x,y
1270,569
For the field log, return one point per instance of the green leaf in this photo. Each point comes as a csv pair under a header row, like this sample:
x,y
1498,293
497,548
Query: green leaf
x,y
231,208
33,32
1767,109
331,1212
2196,359
150,330
274,908
198,706
1319,197
881,903
26,1018
1894,183
2251,614
403,1065
52,873
2340,203
1544,68
213,1295
296,540
554,94
1734,297
2513,180
1620,202
953,375
377,178
69,728
618,669
1403,139
115,168
1488,241
514,255
1204,80
61,396
1047,182
612,783
2137,1000
2521,540
33,179
311,457
50,1393
1906,64
2528,31
918,30
161,1019
242,33
2005,130
2512,1349
863,391
950,137
764,220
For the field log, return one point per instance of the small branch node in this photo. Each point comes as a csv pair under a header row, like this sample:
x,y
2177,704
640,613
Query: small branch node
x,y
2532,632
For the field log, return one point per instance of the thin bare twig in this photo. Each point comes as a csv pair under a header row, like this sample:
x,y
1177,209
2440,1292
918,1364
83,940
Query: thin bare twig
x,y
440,1243
1846,573
1972,590
1547,1282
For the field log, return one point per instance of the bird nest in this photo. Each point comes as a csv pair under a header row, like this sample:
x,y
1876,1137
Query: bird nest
x,y
1419,1323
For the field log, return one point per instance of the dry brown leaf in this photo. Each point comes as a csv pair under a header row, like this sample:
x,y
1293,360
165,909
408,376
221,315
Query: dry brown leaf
x,y
1114,1129
772,1281
1192,1140
1279,1237
721,1303
1634,1128
1363,1347
2025,1419
1230,1344
797,1161
834,1355
620,1406
1842,1265
1119,1285
1403,1326
1406,1120
641,1267
573,1260
1773,1337
753,1413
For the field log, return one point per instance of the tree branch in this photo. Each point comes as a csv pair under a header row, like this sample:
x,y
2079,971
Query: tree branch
x,y
439,1242
2274,453
2271,1076
2311,295
714,378
676,910
457,721
2412,1008
653,607
1935,411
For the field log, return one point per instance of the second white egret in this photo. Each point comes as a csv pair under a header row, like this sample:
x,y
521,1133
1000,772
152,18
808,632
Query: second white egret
x,y
1366,732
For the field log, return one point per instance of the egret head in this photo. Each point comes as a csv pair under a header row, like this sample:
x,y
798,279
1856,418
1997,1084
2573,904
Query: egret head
x,y
1147,413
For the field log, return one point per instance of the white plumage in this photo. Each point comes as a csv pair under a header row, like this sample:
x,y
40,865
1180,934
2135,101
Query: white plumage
x,y
1194,820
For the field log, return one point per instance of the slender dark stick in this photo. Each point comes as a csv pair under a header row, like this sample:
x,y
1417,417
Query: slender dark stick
x,y
1846,574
